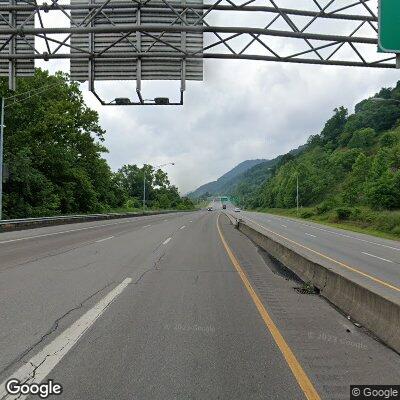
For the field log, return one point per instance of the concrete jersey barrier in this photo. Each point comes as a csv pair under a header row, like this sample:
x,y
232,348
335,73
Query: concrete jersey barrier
x,y
378,314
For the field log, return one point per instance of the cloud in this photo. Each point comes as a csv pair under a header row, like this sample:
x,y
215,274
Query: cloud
x,y
242,110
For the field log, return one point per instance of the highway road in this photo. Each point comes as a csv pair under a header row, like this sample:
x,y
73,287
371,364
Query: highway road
x,y
177,306
371,260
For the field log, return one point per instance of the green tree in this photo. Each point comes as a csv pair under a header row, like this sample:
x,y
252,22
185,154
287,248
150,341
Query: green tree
x,y
53,150
355,183
334,126
362,139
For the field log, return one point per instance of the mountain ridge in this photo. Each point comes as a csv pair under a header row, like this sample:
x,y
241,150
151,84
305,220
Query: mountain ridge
x,y
214,187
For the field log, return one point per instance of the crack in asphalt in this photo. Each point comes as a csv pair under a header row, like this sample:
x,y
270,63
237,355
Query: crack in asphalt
x,y
157,263
53,328
142,275
56,324
43,257
79,267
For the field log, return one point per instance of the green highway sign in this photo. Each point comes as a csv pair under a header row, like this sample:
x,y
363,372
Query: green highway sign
x,y
389,26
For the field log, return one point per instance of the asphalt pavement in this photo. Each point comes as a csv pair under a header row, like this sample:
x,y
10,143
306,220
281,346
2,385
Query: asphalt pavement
x,y
177,306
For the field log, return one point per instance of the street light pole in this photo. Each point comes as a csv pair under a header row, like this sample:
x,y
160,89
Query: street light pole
x,y
1,157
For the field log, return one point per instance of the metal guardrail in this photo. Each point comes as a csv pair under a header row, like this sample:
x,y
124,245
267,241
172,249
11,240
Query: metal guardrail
x,y
27,223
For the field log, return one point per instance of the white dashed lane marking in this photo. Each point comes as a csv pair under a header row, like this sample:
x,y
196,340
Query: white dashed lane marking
x,y
166,240
103,240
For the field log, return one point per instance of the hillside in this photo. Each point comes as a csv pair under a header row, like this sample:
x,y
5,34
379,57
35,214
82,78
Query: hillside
x,y
250,180
348,172
215,187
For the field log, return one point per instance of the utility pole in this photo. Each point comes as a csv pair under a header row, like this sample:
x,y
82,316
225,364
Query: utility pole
x,y
144,190
297,195
1,157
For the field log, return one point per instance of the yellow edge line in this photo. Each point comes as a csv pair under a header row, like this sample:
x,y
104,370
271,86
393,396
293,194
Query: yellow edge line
x,y
329,258
298,372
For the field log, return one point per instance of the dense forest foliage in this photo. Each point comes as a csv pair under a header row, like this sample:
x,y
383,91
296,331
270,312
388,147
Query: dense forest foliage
x,y
250,181
351,167
53,156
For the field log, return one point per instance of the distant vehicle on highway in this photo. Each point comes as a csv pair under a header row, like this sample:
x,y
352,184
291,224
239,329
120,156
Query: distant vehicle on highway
x,y
209,209
237,209
224,206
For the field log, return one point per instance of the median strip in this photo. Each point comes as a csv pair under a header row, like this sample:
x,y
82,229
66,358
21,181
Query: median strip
x,y
375,309
373,278
301,377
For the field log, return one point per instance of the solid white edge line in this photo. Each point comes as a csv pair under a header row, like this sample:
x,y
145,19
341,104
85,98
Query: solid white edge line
x,y
103,240
40,365
380,258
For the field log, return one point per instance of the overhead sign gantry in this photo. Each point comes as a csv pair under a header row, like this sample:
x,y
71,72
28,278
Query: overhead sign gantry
x,y
169,39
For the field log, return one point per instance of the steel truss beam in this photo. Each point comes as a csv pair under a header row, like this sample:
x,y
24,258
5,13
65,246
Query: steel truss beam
x,y
327,32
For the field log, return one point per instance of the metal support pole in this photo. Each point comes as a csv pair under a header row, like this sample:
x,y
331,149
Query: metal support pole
x,y
12,50
91,60
297,196
1,157
144,190
139,60
398,61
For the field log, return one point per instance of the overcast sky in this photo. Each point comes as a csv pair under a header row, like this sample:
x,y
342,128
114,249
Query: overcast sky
x,y
242,110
